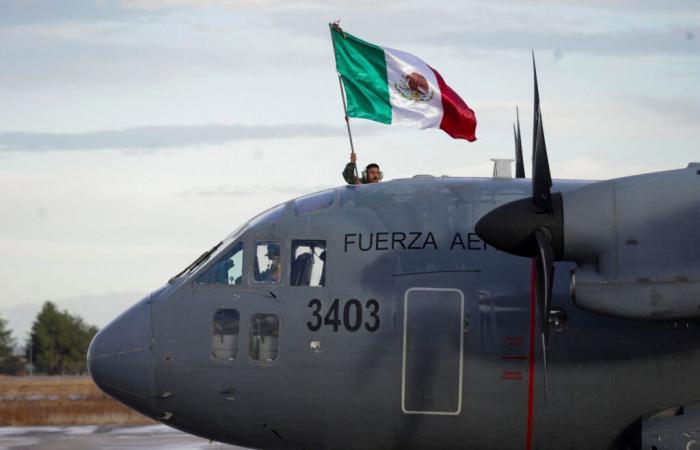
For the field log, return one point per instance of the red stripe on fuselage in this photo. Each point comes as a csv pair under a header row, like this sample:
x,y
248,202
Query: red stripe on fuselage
x,y
514,358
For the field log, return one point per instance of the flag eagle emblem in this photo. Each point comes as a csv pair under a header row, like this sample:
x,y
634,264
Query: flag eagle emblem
x,y
414,87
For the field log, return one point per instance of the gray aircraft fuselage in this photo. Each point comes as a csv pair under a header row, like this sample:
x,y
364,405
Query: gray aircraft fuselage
x,y
420,338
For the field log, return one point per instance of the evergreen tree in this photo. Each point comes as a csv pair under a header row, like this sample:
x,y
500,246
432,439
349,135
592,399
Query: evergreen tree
x,y
7,343
9,364
59,341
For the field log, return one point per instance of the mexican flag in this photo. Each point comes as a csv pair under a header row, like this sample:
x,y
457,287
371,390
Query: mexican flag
x,y
397,88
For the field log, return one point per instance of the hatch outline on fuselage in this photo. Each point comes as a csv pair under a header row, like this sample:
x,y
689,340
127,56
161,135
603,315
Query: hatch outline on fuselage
x,y
458,411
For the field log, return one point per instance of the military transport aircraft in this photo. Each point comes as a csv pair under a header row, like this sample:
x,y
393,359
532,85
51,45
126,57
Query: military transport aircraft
x,y
426,313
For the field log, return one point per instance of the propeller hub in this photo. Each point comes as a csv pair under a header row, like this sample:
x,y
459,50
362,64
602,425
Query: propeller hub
x,y
511,227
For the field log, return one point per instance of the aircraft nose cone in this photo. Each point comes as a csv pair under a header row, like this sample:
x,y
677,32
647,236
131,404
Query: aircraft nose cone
x,y
120,358
510,227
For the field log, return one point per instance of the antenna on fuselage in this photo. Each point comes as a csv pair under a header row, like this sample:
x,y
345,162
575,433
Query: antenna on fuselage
x,y
519,165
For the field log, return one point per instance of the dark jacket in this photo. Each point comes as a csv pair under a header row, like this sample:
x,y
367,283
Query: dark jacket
x,y
349,174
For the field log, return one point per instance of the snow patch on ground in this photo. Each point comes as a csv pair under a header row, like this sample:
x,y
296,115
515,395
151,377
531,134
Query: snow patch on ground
x,y
146,429
90,437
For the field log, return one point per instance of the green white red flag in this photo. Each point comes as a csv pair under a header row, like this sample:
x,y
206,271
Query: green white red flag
x,y
394,87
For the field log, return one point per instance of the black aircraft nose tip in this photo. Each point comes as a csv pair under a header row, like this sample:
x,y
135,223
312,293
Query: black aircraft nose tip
x,y
120,358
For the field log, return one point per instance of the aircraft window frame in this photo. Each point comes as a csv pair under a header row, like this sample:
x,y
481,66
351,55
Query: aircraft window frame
x,y
236,251
267,326
314,202
226,322
300,269
257,274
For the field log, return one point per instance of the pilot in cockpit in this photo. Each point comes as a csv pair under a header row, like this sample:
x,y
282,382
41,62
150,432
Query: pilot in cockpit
x,y
371,174
273,273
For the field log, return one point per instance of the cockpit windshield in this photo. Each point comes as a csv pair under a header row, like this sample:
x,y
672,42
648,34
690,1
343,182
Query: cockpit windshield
x,y
215,250
227,270
197,262
269,216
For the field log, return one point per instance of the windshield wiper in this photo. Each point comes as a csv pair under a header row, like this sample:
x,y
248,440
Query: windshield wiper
x,y
196,263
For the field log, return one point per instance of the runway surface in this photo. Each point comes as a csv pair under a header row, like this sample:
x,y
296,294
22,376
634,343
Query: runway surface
x,y
155,437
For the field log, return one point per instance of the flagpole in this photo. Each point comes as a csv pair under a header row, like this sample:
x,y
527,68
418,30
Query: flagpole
x,y
342,93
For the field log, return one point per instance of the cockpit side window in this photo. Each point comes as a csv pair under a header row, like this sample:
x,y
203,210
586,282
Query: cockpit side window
x,y
224,335
308,266
264,337
227,270
267,267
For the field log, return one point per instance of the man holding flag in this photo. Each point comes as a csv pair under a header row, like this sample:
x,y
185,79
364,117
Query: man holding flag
x,y
394,87
371,174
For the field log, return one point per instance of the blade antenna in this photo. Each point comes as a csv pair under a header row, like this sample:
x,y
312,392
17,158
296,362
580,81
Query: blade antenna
x,y
519,165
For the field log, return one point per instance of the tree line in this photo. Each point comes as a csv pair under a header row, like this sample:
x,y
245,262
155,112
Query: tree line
x,y
56,345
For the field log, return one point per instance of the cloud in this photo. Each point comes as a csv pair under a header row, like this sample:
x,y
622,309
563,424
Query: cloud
x,y
254,190
633,42
626,6
266,5
29,12
678,111
591,27
157,137
133,48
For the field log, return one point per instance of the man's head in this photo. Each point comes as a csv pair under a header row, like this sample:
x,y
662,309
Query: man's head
x,y
373,173
273,253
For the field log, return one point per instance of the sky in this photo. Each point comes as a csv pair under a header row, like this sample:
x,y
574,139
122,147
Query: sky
x,y
135,134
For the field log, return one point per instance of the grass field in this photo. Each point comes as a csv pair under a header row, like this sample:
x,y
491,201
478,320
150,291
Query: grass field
x,y
28,401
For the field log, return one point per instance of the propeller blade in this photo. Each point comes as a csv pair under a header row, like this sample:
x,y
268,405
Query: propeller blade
x,y
545,350
544,261
545,272
536,111
541,176
519,165
532,227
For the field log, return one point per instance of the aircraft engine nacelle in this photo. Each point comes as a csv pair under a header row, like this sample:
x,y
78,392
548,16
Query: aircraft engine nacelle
x,y
636,241
637,244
